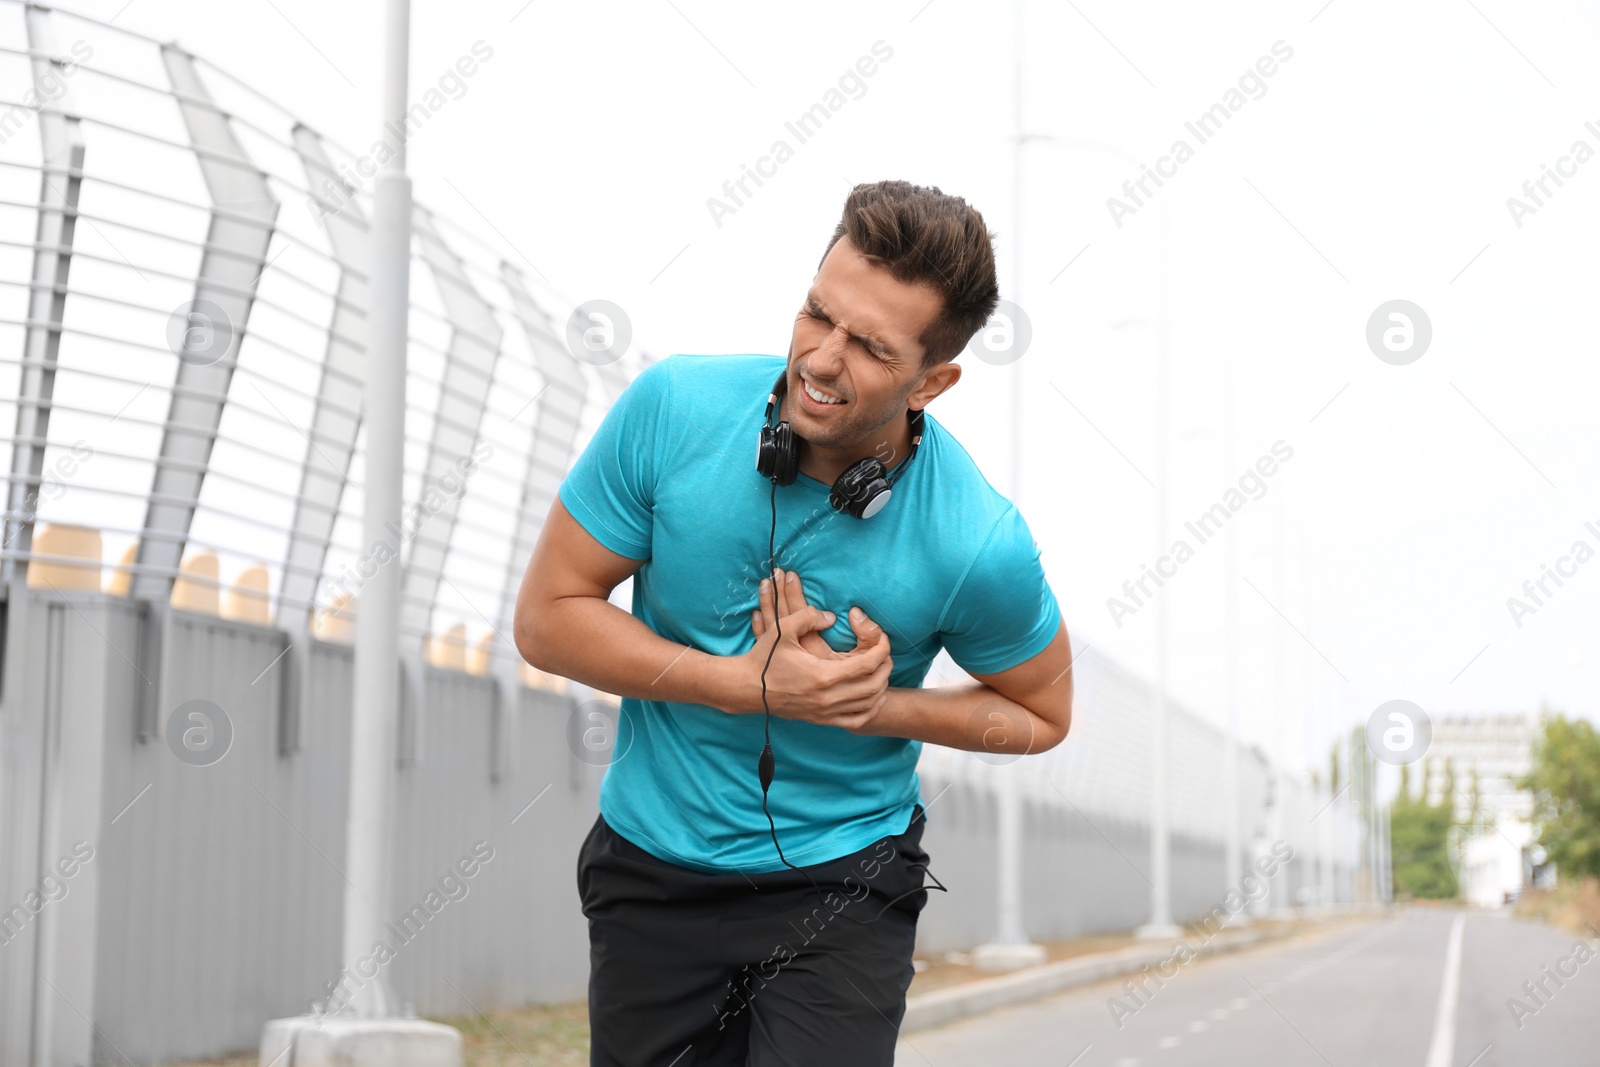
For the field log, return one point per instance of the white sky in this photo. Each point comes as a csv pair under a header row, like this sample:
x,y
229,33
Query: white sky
x,y
1376,166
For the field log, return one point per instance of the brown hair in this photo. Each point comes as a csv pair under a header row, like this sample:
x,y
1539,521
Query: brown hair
x,y
925,237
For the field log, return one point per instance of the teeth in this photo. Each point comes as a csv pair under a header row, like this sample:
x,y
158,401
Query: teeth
x,y
821,398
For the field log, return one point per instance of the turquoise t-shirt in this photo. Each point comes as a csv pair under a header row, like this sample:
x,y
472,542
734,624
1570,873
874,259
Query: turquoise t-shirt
x,y
670,478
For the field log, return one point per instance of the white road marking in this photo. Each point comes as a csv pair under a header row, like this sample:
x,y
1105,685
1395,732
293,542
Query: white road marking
x,y
1442,1050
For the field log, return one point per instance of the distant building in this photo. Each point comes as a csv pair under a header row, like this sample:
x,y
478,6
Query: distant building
x,y
1487,756
1498,749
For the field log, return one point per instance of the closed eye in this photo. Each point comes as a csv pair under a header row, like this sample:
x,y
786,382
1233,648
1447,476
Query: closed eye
x,y
862,341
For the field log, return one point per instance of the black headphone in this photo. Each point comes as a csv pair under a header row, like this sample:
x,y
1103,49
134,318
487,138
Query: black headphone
x,y
864,487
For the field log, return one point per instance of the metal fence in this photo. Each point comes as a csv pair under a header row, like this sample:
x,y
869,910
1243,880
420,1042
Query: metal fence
x,y
182,278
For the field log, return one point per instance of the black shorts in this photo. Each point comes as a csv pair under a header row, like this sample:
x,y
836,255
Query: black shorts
x,y
689,969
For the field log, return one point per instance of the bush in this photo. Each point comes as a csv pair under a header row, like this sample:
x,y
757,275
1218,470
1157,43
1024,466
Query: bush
x,y
1418,843
1565,782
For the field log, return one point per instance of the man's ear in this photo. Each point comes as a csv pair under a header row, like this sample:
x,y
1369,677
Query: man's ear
x,y
934,382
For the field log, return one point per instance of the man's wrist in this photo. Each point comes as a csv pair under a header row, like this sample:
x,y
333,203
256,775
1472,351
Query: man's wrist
x,y
725,683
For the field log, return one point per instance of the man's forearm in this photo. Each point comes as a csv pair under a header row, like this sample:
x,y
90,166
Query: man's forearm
x,y
594,642
971,716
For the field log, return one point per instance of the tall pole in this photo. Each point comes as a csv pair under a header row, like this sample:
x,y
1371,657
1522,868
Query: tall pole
x,y
1234,847
1278,888
1316,706
1371,815
1008,800
1386,859
377,653
1160,924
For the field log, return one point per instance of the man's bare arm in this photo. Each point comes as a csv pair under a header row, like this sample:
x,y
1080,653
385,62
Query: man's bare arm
x,y
1026,709
565,625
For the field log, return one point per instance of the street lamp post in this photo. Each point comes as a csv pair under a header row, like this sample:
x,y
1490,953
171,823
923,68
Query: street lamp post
x,y
1160,924
359,1025
1233,848
1010,948
377,651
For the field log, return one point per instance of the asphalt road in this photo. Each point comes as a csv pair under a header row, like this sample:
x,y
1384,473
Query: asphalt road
x,y
1378,993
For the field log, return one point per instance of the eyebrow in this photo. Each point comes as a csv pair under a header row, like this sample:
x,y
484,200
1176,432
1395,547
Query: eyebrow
x,y
872,344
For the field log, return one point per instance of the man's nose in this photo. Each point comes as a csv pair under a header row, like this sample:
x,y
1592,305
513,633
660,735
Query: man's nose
x,y
828,360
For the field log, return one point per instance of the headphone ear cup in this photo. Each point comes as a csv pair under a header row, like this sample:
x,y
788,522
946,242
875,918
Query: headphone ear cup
x,y
778,454
862,490
766,452
788,446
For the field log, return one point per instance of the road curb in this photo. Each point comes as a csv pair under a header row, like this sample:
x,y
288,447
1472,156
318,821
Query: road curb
x,y
943,1006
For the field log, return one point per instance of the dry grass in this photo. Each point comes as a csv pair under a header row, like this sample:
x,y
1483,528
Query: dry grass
x,y
1572,906
554,1035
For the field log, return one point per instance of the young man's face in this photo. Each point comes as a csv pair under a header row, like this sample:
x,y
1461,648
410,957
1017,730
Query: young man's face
x,y
855,340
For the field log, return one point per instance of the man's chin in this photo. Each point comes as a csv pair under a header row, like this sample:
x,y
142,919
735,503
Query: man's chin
x,y
829,433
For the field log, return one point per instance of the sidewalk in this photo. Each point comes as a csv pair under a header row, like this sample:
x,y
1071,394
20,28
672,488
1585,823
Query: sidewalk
x,y
951,1001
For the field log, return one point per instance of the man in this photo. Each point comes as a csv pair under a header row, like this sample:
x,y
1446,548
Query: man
x,y
706,945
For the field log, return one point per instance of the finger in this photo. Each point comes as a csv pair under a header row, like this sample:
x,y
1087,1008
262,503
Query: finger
x,y
797,598
768,612
797,624
878,681
797,589
758,625
853,716
814,644
791,589
864,628
866,660
781,586
860,713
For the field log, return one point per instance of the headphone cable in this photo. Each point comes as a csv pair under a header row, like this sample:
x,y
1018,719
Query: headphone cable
x,y
766,767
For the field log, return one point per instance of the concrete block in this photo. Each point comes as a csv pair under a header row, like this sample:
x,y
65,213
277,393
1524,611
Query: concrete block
x,y
341,1042
1002,957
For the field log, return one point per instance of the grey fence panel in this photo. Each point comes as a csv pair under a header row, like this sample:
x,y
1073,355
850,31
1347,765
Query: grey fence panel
x,y
55,741
515,935
212,902
443,808
207,857
962,852
1082,875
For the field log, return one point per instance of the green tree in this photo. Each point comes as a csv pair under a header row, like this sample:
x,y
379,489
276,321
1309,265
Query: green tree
x,y
1565,782
1418,842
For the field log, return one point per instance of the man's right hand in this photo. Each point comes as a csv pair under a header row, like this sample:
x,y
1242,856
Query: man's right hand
x,y
806,679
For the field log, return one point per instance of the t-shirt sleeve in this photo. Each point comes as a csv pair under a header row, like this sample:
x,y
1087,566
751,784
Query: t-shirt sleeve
x,y
611,488
1003,612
